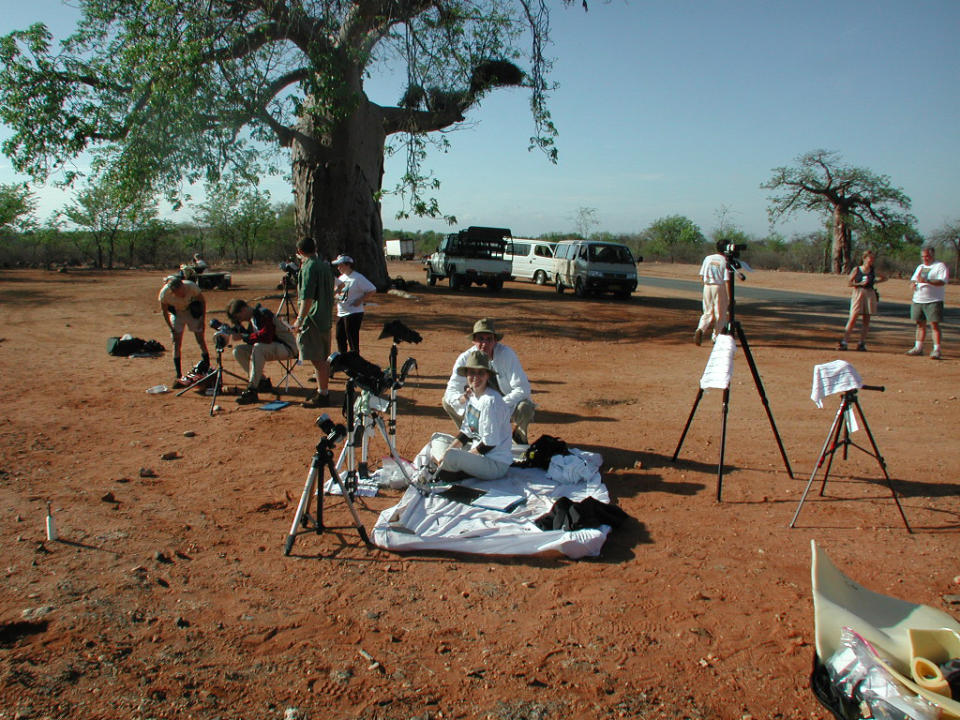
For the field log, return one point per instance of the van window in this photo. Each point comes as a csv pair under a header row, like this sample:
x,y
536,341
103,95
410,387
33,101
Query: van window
x,y
521,249
543,251
610,254
583,252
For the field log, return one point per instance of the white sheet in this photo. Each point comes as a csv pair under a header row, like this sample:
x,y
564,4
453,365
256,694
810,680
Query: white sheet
x,y
431,522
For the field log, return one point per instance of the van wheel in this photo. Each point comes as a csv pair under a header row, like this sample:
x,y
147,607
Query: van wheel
x,y
455,282
431,279
495,285
559,286
578,289
540,277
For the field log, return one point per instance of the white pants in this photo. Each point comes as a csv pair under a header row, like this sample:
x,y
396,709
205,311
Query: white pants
x,y
478,466
715,304
252,358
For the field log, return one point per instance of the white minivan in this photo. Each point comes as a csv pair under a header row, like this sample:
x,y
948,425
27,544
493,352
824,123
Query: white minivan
x,y
530,259
593,266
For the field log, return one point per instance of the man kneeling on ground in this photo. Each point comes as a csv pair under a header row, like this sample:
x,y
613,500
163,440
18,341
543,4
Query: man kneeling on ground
x,y
264,339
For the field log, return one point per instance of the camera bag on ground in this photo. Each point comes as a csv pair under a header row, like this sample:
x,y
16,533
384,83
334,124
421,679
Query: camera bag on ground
x,y
126,346
540,451
588,513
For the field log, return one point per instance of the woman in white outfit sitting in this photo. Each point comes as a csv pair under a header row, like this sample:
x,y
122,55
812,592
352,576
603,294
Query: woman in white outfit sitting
x,y
482,447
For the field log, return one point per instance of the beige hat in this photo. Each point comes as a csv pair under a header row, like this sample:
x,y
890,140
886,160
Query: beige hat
x,y
485,326
477,360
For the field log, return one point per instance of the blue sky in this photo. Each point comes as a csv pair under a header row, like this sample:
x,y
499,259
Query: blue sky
x,y
683,107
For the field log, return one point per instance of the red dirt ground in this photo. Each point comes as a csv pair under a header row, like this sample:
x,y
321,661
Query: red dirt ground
x,y
170,597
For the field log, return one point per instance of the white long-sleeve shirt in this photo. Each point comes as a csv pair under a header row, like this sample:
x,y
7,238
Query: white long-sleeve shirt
x,y
511,379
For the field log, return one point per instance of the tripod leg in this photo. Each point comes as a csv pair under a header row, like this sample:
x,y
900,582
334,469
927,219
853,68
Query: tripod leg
x,y
763,396
883,465
303,505
686,427
840,425
831,435
393,450
348,499
217,384
723,440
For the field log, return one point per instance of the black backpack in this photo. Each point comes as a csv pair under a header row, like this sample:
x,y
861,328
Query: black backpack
x,y
120,347
539,453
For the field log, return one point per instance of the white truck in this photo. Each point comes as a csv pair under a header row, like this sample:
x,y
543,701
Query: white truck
x,y
399,249
471,257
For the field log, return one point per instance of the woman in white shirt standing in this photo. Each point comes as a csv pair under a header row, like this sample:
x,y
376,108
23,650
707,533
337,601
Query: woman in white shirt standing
x,y
351,290
482,448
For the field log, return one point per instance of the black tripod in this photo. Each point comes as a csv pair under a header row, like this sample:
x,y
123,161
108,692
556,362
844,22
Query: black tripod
x,y
833,441
284,313
323,458
220,341
732,328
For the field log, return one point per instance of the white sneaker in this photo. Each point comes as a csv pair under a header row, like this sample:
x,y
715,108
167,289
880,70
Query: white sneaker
x,y
935,354
915,351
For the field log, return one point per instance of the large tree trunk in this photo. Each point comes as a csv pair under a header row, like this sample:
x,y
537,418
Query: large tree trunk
x,y
842,251
337,179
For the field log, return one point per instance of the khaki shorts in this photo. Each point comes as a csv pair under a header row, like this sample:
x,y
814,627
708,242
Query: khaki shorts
x,y
313,343
927,312
183,319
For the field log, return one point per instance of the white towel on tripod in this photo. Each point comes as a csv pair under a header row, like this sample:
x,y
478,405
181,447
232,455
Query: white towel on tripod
x,y
719,367
833,377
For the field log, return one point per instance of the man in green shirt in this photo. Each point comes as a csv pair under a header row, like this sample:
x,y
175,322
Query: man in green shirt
x,y
314,317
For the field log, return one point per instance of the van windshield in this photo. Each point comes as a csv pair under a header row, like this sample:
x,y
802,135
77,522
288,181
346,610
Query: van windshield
x,y
617,254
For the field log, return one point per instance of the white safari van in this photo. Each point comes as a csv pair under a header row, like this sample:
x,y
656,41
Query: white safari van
x,y
530,259
593,266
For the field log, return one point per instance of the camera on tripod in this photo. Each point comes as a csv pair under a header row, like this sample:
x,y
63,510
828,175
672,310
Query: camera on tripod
x,y
733,250
291,270
335,432
399,332
364,374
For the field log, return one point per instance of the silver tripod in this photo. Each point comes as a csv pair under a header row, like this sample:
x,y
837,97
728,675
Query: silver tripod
x,y
367,420
323,458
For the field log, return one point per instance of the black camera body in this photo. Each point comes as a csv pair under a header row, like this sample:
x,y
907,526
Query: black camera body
x,y
333,432
733,250
399,332
363,373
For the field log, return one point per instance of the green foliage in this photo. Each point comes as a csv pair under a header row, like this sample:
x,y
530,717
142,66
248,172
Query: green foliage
x,y
168,91
674,237
104,208
16,207
238,216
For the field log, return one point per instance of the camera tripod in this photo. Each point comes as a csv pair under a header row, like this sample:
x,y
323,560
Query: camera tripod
x,y
365,421
217,372
323,458
850,400
734,328
283,314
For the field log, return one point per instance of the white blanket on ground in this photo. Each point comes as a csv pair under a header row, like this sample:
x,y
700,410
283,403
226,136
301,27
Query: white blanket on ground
x,y
432,522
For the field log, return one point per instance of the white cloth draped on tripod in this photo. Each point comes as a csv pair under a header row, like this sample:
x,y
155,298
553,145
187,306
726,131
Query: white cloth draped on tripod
x,y
719,367
833,377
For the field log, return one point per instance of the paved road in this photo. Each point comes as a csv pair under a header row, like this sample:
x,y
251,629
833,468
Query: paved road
x,y
811,302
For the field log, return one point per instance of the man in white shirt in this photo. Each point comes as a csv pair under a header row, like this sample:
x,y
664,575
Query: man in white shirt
x,y
510,380
715,274
929,291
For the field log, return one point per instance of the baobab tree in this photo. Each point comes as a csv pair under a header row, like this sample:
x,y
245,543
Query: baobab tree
x,y
188,90
820,183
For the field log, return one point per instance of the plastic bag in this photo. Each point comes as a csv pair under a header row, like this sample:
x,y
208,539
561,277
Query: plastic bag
x,y
391,473
855,670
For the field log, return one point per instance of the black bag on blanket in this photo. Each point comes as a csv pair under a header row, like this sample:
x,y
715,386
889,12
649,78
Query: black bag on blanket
x,y
590,513
540,451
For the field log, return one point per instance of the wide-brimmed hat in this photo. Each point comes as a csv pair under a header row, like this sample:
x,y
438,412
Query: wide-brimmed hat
x,y
341,259
477,360
485,325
